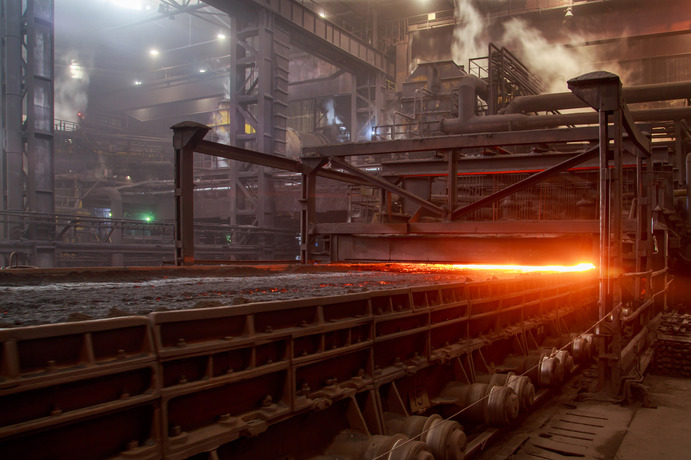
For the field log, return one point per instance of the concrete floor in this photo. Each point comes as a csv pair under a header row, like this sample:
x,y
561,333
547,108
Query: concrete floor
x,y
663,432
563,428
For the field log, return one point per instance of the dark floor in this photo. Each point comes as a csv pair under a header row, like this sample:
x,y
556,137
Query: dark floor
x,y
564,428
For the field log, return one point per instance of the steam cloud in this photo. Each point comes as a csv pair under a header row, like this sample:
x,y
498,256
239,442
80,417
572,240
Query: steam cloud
x,y
553,63
330,111
71,86
469,35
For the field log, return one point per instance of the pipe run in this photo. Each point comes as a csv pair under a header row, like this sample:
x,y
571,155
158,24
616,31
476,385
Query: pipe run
x,y
521,122
567,100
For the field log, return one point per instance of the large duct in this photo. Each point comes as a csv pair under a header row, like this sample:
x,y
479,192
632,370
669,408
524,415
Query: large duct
x,y
521,122
470,88
297,140
631,95
513,120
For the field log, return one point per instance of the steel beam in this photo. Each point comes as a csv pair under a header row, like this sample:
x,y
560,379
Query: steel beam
x,y
39,32
186,137
388,186
503,227
11,176
534,179
456,142
522,163
317,35
602,91
272,161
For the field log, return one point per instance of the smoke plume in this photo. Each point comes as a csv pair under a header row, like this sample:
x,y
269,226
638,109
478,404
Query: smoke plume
x,y
71,86
469,35
553,63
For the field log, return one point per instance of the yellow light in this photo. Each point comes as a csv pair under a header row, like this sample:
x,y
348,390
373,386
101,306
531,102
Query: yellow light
x,y
506,268
526,268
153,52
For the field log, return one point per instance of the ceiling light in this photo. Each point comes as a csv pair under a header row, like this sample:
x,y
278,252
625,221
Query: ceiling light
x,y
221,36
431,16
202,70
322,14
569,13
137,82
153,52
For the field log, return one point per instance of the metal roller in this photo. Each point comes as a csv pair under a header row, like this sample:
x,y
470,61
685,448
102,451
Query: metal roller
x,y
493,405
520,384
357,446
445,438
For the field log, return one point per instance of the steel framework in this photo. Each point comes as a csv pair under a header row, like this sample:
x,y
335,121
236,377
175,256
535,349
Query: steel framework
x,y
26,179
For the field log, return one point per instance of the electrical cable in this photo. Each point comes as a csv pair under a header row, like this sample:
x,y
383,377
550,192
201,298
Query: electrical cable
x,y
388,453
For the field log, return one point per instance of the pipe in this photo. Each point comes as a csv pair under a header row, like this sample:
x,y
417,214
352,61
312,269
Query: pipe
x,y
470,87
631,95
520,122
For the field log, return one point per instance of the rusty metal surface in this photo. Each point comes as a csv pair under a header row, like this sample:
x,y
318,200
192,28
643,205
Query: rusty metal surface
x,y
230,379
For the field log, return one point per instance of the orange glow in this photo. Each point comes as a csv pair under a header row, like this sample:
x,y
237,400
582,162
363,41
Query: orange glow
x,y
505,268
524,268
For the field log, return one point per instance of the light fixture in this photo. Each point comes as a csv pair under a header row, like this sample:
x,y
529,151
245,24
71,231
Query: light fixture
x,y
154,52
221,36
322,14
202,70
569,12
137,82
431,16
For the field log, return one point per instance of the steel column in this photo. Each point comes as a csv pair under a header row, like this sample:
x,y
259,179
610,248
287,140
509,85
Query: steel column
x,y
186,137
308,209
602,91
39,37
11,178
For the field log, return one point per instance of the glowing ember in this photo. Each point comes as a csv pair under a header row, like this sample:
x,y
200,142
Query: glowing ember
x,y
524,268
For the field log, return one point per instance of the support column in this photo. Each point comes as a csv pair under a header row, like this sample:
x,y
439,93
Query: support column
x,y
39,150
308,211
186,137
452,183
602,91
12,183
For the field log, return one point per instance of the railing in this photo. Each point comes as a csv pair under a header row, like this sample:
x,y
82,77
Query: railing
x,y
89,240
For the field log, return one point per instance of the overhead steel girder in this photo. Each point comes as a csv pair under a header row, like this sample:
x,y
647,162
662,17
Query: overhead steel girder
x,y
534,179
316,34
198,95
503,227
456,142
523,163
386,185
272,161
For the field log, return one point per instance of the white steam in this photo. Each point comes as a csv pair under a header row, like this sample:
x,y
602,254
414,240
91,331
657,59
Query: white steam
x,y
469,35
330,113
71,86
220,119
554,63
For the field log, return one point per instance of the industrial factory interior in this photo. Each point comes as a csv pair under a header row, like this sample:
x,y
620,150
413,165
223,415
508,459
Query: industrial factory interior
x,y
345,229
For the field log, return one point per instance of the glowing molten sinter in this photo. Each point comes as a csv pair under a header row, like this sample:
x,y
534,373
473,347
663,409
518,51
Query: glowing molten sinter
x,y
524,268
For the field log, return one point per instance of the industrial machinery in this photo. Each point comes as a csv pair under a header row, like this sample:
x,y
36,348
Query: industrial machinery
x,y
415,373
